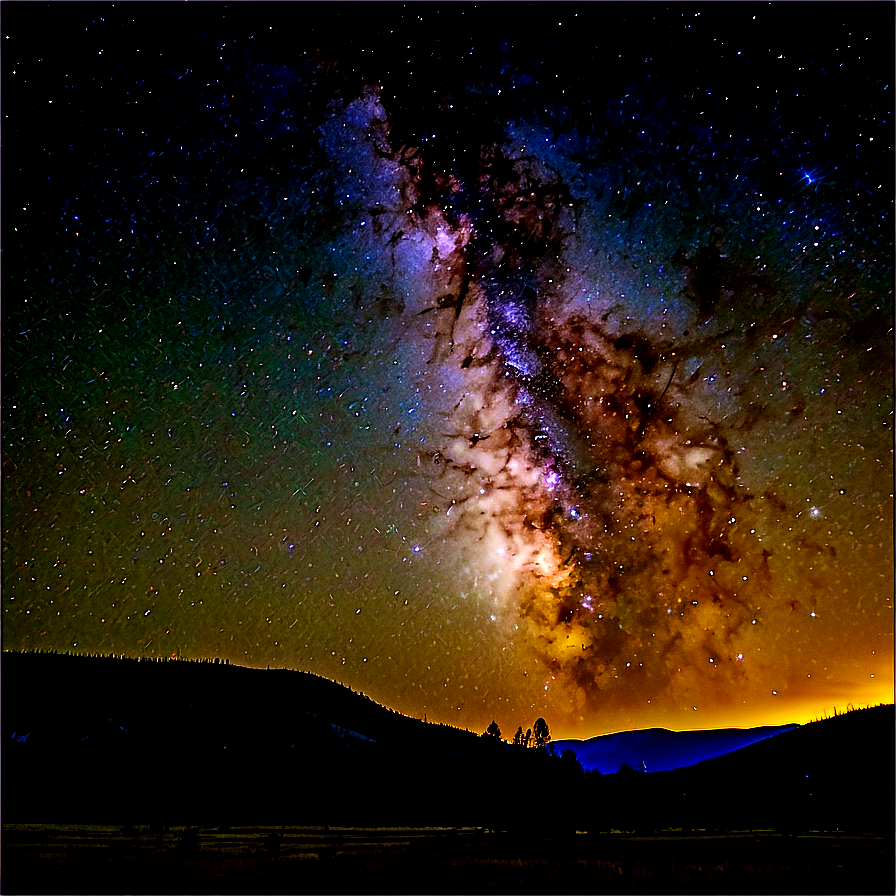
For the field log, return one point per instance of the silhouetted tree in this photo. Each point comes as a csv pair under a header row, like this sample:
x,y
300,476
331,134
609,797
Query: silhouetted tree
x,y
493,730
528,738
518,737
571,762
541,733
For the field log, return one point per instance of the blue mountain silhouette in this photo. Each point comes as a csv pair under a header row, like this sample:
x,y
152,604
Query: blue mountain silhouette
x,y
660,749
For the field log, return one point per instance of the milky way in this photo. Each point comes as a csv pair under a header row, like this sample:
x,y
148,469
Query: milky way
x,y
535,375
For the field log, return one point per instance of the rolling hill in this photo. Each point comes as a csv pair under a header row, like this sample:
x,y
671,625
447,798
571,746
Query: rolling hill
x,y
832,774
102,737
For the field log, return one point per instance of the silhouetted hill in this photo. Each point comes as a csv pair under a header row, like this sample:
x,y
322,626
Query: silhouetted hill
x,y
661,749
67,699
102,737
836,773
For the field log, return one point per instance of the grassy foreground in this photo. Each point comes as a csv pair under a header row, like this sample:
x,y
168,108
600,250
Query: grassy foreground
x,y
92,859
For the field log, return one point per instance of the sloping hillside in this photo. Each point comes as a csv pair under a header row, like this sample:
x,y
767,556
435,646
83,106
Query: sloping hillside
x,y
61,699
837,773
99,738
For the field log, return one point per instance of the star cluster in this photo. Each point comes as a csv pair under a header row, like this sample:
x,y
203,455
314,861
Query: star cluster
x,y
490,370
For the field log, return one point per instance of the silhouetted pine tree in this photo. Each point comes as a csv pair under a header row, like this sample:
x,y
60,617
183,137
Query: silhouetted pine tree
x,y
493,730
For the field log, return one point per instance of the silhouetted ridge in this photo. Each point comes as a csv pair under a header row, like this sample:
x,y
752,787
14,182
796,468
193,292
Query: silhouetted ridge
x,y
109,737
833,774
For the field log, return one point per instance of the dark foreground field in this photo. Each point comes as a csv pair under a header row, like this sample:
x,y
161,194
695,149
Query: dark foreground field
x,y
74,859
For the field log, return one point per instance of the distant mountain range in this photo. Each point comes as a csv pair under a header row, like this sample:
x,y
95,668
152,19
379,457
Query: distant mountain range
x,y
658,749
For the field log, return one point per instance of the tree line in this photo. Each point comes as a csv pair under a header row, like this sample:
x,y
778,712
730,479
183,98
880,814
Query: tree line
x,y
539,735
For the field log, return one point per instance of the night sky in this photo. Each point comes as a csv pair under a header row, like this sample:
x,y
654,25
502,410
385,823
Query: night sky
x,y
498,361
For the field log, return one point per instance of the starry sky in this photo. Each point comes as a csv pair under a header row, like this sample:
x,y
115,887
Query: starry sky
x,y
496,366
